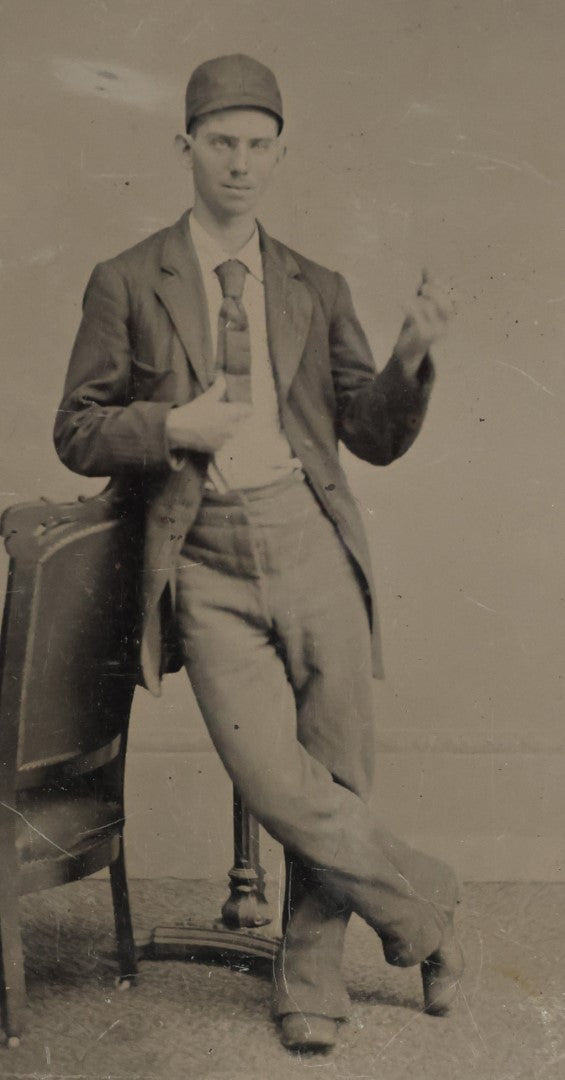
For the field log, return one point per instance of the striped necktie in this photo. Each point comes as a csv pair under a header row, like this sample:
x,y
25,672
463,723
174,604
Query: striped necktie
x,y
234,344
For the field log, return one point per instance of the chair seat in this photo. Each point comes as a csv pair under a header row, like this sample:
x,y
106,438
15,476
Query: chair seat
x,y
50,821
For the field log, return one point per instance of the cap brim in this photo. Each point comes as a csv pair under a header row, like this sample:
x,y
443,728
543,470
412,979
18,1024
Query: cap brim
x,y
242,101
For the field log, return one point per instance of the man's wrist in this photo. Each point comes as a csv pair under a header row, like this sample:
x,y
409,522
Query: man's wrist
x,y
173,452
409,363
172,434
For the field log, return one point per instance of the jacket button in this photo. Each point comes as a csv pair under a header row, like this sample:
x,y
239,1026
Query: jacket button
x,y
307,443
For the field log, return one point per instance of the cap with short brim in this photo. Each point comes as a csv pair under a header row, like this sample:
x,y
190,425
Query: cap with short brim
x,y
232,82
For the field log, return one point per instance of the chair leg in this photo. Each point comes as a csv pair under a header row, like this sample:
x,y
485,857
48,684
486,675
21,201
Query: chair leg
x,y
122,917
12,974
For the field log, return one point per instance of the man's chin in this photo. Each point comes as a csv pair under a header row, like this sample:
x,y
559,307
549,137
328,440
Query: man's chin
x,y
233,208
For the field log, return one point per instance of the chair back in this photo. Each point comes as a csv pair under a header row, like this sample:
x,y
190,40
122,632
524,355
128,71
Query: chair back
x,y
68,659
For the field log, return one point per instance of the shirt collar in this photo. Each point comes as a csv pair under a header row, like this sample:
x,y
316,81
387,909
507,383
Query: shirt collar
x,y
210,252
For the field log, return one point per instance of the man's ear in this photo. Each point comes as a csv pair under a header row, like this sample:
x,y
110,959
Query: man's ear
x,y
183,146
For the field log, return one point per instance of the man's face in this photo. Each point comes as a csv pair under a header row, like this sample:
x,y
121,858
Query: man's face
x,y
234,153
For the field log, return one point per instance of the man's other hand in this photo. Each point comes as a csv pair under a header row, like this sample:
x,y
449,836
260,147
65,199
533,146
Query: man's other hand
x,y
425,322
206,423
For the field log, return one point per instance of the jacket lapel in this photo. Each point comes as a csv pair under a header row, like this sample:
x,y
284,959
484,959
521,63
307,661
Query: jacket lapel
x,y
181,290
287,300
289,311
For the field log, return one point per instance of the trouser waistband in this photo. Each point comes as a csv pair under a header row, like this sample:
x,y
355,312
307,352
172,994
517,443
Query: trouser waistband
x,y
253,494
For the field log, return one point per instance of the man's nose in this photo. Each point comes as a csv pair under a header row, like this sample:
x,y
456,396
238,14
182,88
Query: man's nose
x,y
240,158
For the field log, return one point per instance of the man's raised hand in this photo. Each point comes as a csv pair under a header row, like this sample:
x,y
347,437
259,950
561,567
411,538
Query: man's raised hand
x,y
425,322
207,422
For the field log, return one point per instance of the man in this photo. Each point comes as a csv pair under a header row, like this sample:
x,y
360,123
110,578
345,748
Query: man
x,y
213,374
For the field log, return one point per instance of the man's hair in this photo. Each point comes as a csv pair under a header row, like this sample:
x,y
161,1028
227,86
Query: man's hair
x,y
196,123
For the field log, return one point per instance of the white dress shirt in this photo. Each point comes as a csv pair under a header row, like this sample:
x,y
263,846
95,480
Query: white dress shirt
x,y
259,452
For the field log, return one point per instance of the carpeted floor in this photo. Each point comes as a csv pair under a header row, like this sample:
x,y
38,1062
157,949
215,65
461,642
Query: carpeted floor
x,y
195,1021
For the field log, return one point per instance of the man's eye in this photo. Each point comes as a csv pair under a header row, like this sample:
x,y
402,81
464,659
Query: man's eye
x,y
221,141
261,144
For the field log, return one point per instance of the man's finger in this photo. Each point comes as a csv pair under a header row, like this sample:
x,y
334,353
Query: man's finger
x,y
439,297
425,280
237,410
218,388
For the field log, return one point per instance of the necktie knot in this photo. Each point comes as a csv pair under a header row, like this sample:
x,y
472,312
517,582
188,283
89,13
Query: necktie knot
x,y
231,275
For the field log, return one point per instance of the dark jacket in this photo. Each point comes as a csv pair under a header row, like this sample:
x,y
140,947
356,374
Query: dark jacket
x,y
143,345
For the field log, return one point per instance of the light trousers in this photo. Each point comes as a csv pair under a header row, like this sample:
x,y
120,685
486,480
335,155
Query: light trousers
x,y
275,635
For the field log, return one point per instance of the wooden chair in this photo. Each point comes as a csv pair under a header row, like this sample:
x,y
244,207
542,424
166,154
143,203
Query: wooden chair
x,y
67,676
68,668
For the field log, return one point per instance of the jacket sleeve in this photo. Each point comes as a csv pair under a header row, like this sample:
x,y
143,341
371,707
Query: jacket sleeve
x,y
378,414
99,429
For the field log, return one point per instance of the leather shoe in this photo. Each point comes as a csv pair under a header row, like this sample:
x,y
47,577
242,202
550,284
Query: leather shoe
x,y
441,973
306,1032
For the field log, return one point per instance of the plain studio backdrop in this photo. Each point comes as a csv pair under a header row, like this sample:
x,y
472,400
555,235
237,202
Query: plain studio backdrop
x,y
420,132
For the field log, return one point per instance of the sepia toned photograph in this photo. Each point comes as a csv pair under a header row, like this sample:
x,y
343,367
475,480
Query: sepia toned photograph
x,y
282,567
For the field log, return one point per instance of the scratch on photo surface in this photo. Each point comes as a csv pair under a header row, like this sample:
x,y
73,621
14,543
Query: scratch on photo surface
x,y
45,256
105,1032
281,886
419,108
481,962
203,22
478,603
88,1048
516,166
19,814
146,19
283,957
118,175
408,1023
473,1021
501,932
546,390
